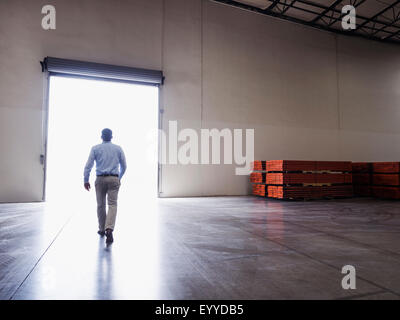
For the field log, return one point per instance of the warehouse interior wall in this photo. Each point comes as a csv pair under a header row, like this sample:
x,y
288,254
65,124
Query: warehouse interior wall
x,y
308,94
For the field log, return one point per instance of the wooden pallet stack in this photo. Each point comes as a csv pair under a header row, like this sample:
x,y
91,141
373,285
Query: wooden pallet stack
x,y
362,178
259,189
258,178
386,180
292,179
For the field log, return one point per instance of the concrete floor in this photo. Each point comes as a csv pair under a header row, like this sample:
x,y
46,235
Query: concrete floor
x,y
202,248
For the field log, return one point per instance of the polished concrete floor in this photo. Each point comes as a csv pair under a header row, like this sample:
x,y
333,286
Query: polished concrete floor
x,y
202,248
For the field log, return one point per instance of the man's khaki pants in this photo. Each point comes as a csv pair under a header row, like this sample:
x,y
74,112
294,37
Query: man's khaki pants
x,y
107,186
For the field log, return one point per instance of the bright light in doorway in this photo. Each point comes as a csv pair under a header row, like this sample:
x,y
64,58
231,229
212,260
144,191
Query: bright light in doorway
x,y
78,110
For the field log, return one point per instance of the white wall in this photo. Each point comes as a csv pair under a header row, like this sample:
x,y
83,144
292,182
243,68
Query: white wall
x,y
308,94
110,31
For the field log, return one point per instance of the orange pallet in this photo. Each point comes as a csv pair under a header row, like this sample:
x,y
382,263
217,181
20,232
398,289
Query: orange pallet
x,y
362,178
302,165
361,167
291,165
290,178
334,178
386,192
259,190
337,166
285,178
386,167
259,165
382,179
344,191
362,190
309,192
258,177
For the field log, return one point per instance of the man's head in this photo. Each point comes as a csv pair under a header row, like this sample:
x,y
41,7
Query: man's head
x,y
106,134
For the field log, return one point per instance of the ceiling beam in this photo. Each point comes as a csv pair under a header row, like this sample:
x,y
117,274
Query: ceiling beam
x,y
391,24
314,25
333,6
372,19
272,5
287,6
321,6
391,36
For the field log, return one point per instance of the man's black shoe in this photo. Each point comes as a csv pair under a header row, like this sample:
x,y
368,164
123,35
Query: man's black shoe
x,y
109,236
101,233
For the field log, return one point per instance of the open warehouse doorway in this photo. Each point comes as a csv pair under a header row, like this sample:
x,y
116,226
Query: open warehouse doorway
x,y
78,110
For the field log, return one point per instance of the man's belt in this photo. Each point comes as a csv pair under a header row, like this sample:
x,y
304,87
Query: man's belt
x,y
108,175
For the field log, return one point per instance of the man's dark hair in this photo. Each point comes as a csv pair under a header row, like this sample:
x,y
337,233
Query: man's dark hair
x,y
106,134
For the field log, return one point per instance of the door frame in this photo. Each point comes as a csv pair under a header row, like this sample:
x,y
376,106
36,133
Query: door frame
x,y
45,122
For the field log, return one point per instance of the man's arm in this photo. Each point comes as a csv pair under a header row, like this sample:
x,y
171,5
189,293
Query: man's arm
x,y
122,163
88,168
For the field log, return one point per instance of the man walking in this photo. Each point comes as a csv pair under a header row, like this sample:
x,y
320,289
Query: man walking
x,y
109,159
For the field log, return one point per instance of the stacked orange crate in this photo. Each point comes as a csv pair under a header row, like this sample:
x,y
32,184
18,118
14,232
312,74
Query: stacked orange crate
x,y
291,179
285,178
386,180
290,165
259,189
362,178
288,178
259,165
337,174
258,178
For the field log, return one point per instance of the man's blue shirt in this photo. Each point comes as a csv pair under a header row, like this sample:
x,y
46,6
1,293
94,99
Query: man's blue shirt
x,y
109,158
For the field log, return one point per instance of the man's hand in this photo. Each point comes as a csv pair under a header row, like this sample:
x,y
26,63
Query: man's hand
x,y
87,186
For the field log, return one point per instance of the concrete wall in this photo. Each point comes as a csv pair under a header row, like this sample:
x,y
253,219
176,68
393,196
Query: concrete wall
x,y
308,94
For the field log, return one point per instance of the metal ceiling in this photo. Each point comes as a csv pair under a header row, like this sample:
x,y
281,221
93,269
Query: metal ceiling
x,y
375,19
